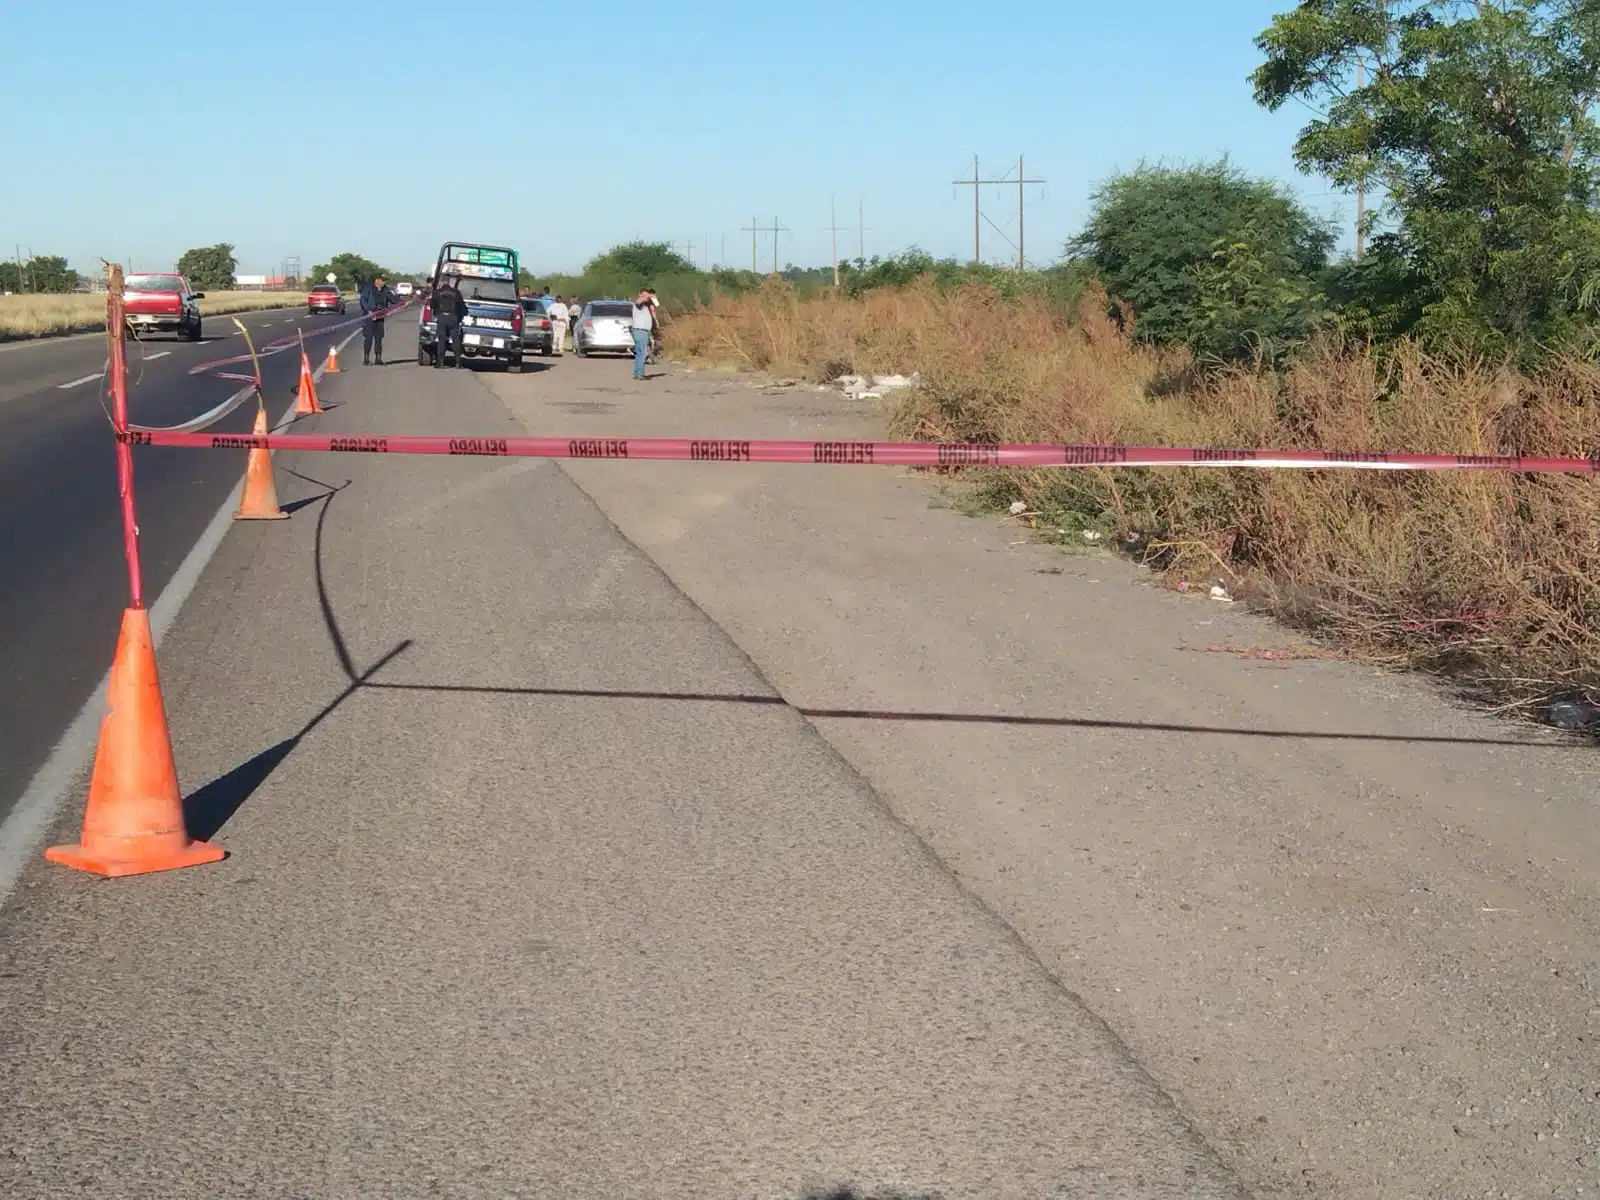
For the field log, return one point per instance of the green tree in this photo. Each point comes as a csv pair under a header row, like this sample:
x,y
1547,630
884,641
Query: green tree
x,y
209,268
1474,121
350,270
1208,257
644,261
41,273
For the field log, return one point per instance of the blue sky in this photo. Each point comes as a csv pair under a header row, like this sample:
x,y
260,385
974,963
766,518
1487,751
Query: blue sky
x,y
301,128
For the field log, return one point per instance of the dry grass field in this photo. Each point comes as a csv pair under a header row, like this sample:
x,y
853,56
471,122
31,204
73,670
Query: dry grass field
x,y
1489,578
42,316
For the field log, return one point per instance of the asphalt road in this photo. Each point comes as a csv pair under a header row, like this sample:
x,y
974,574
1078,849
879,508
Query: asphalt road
x,y
60,529
507,915
1352,927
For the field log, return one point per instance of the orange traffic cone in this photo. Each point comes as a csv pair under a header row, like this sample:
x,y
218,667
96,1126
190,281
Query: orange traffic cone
x,y
260,499
134,820
332,367
306,403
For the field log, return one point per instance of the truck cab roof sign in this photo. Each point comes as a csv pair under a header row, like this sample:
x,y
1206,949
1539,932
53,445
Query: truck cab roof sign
x,y
486,256
476,270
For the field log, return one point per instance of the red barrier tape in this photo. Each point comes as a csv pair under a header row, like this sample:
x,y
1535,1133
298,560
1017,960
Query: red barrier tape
x,y
884,454
288,342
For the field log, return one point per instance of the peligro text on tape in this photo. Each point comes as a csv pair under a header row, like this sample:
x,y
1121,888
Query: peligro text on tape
x,y
901,454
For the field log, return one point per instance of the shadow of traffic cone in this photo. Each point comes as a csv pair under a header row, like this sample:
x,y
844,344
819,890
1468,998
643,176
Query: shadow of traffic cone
x,y
306,402
134,820
259,501
332,365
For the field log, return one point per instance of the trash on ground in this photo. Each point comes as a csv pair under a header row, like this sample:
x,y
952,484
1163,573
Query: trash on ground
x,y
1018,506
1218,592
1271,654
872,387
1092,535
1574,712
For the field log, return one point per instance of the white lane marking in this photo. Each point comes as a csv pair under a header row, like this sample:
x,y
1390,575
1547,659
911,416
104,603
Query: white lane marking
x,y
156,355
81,382
26,825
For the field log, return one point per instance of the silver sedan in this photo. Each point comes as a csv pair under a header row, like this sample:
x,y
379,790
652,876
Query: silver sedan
x,y
604,327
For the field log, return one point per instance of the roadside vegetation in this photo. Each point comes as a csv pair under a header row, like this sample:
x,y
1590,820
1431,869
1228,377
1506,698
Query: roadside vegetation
x,y
1201,307
620,272
85,312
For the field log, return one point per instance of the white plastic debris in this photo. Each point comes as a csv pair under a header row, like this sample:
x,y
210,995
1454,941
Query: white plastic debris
x,y
1218,592
1092,535
872,387
1018,507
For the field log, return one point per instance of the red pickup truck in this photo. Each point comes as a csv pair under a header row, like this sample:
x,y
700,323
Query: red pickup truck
x,y
162,303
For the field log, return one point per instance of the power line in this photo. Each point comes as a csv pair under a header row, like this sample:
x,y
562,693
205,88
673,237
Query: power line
x,y
977,183
774,229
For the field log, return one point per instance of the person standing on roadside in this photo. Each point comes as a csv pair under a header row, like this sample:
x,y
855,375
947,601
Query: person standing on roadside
x,y
574,311
643,326
655,328
557,312
376,300
448,310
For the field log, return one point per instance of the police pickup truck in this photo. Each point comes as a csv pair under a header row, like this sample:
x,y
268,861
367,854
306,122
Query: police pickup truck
x,y
492,328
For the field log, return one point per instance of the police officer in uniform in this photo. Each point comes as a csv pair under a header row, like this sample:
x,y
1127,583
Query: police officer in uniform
x,y
448,309
376,300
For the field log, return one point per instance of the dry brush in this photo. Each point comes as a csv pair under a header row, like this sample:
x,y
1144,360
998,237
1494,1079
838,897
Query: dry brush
x,y
1489,578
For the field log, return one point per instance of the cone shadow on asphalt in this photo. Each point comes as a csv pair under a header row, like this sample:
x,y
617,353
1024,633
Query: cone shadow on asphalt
x,y
960,718
207,810
212,806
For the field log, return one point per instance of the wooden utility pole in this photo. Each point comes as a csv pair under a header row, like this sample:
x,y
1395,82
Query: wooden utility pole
x,y
861,227
833,228
776,230
977,215
1021,179
752,229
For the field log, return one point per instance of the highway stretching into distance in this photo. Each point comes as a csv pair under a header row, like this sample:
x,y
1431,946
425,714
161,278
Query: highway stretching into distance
x,y
637,828
60,527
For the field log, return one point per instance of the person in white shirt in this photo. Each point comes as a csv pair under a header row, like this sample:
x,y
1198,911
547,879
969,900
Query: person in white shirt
x,y
557,312
643,323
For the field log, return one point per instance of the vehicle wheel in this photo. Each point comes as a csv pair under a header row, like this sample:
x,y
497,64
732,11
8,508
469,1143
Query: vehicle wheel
x,y
547,351
422,356
195,332
515,364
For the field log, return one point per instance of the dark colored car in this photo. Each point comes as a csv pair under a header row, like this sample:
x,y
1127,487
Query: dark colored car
x,y
538,335
325,297
493,326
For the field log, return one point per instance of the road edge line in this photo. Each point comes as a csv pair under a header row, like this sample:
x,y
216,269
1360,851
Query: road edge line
x,y
35,810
